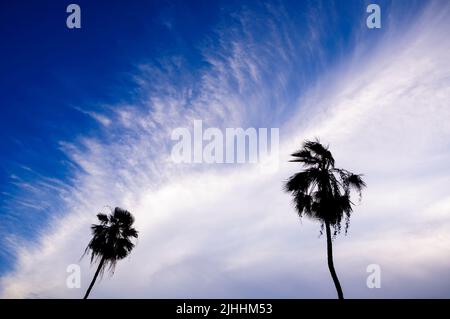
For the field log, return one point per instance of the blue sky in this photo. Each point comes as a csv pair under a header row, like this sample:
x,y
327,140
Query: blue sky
x,y
87,115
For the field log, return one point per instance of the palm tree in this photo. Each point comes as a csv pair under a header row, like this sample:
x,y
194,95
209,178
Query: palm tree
x,y
322,192
111,241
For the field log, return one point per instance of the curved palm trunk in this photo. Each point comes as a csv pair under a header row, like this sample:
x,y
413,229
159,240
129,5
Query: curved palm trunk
x,y
95,278
330,262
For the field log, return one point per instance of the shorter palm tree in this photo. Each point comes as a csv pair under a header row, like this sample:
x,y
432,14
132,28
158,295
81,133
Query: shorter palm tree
x,y
111,241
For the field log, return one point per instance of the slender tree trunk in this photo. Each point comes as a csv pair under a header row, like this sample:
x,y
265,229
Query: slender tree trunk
x,y
330,262
95,278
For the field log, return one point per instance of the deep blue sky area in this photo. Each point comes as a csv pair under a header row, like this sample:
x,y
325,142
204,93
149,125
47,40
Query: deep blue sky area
x,y
48,69
49,72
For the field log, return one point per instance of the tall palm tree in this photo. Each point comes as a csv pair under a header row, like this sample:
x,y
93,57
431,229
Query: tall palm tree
x,y
322,192
111,241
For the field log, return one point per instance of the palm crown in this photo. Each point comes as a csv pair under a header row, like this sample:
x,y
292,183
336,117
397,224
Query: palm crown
x,y
322,191
111,241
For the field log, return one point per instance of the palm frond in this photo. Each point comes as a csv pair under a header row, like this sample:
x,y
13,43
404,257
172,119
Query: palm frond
x,y
303,180
304,156
319,152
103,218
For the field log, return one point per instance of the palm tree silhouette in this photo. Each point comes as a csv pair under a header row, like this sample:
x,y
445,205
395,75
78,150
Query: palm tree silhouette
x,y
322,192
111,241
